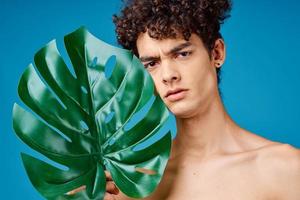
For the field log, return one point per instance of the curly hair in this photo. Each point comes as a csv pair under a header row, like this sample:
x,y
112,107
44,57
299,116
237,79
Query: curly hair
x,y
167,18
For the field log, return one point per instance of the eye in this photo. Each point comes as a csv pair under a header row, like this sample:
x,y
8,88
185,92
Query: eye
x,y
150,64
183,54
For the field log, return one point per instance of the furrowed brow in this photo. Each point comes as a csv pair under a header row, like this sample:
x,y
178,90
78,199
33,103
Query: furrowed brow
x,y
148,58
172,51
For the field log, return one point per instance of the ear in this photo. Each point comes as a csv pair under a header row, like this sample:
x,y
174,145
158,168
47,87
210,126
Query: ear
x,y
218,53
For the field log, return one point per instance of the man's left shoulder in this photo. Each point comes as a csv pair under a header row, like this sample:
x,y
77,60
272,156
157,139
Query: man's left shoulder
x,y
280,156
279,165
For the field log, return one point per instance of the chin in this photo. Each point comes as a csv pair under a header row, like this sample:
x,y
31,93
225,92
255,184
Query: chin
x,y
182,110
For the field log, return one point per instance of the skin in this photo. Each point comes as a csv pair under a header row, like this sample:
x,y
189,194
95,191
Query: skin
x,y
212,158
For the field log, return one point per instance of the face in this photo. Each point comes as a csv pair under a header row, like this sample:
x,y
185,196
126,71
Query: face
x,y
183,72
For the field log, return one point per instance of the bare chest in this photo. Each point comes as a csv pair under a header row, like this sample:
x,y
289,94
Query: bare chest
x,y
228,182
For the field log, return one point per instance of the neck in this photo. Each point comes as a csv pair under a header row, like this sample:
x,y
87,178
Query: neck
x,y
210,132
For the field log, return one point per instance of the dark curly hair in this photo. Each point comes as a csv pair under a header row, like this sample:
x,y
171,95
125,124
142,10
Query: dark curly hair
x,y
167,18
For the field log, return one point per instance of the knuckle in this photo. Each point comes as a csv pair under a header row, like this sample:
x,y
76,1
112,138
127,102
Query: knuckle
x,y
108,197
111,187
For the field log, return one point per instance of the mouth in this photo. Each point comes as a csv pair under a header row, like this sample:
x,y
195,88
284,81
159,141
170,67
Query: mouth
x,y
175,95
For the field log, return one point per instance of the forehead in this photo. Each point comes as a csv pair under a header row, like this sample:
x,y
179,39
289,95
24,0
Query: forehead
x,y
147,45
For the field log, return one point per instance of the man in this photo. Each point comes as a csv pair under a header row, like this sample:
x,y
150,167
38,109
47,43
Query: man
x,y
212,158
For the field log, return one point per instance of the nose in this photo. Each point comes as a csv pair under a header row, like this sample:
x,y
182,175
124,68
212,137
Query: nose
x,y
169,73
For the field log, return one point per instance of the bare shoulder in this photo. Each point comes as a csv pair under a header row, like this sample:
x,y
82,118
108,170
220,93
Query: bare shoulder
x,y
279,166
280,156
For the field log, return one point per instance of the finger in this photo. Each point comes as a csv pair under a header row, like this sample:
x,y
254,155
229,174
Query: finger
x,y
72,192
108,196
108,176
112,188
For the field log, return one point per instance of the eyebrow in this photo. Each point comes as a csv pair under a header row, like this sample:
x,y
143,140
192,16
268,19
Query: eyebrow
x,y
172,51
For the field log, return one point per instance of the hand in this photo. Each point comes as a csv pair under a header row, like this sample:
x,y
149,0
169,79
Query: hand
x,y
111,188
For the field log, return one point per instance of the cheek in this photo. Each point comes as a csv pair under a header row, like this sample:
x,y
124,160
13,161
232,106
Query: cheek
x,y
208,89
203,80
198,74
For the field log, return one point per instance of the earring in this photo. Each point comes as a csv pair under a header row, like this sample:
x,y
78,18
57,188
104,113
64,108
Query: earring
x,y
218,64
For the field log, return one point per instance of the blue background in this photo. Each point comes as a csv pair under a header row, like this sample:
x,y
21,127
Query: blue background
x,y
260,77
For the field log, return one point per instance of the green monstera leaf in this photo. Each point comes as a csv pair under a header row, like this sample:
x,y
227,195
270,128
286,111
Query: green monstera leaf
x,y
86,123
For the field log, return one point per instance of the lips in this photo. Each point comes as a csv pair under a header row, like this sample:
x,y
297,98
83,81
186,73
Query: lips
x,y
176,94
